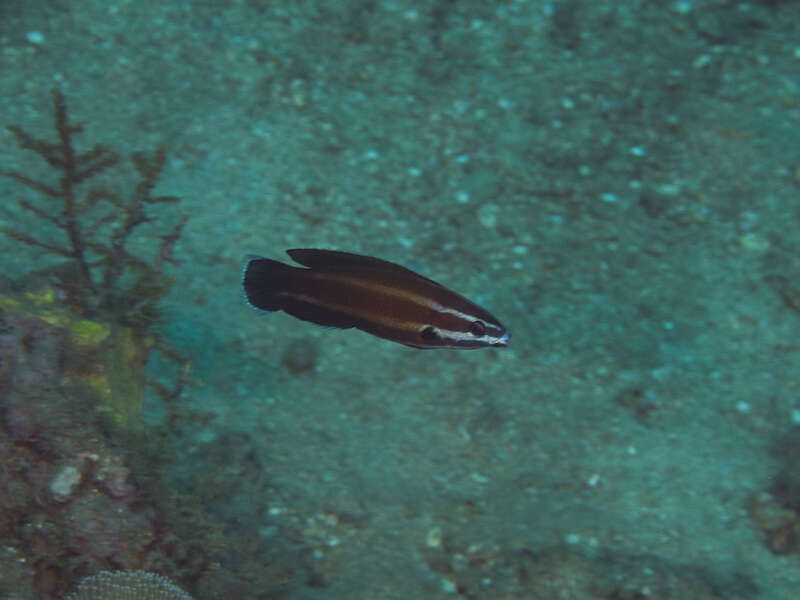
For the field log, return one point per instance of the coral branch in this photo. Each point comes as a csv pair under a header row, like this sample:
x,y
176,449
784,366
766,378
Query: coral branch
x,y
26,239
98,223
32,183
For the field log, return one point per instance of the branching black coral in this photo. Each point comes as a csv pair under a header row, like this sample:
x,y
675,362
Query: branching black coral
x,y
93,228
98,223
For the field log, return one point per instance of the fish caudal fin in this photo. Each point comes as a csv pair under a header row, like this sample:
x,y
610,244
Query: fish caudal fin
x,y
265,282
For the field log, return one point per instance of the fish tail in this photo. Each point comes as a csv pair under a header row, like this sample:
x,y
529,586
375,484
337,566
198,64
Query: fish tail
x,y
265,282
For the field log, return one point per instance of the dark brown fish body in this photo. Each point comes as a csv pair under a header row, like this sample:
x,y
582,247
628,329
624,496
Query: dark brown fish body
x,y
345,290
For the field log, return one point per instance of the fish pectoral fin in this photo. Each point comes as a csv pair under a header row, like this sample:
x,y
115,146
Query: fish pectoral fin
x,y
313,313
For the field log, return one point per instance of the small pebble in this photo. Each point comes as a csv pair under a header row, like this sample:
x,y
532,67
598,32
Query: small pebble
x,y
752,242
434,538
682,8
609,197
487,215
64,483
35,37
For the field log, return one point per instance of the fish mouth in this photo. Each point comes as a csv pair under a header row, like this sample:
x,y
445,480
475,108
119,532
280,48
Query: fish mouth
x,y
502,341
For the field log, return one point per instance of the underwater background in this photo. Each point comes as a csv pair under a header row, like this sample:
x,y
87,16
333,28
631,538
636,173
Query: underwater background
x,y
618,182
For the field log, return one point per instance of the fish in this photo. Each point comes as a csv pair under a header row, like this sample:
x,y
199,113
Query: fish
x,y
344,290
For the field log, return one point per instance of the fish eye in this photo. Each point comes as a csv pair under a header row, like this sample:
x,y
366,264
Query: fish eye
x,y
428,334
477,328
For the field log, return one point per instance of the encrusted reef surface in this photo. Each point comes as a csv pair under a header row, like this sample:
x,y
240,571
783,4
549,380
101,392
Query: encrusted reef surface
x,y
617,182
69,502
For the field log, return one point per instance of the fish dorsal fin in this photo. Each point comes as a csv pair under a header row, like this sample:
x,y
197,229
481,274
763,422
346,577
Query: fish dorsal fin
x,y
332,259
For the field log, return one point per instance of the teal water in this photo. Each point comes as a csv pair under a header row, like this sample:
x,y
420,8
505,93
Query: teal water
x,y
618,183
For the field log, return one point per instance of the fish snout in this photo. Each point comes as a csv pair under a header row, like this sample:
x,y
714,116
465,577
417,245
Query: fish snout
x,y
502,340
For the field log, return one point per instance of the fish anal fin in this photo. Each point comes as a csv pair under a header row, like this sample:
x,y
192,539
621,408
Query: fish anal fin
x,y
313,313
